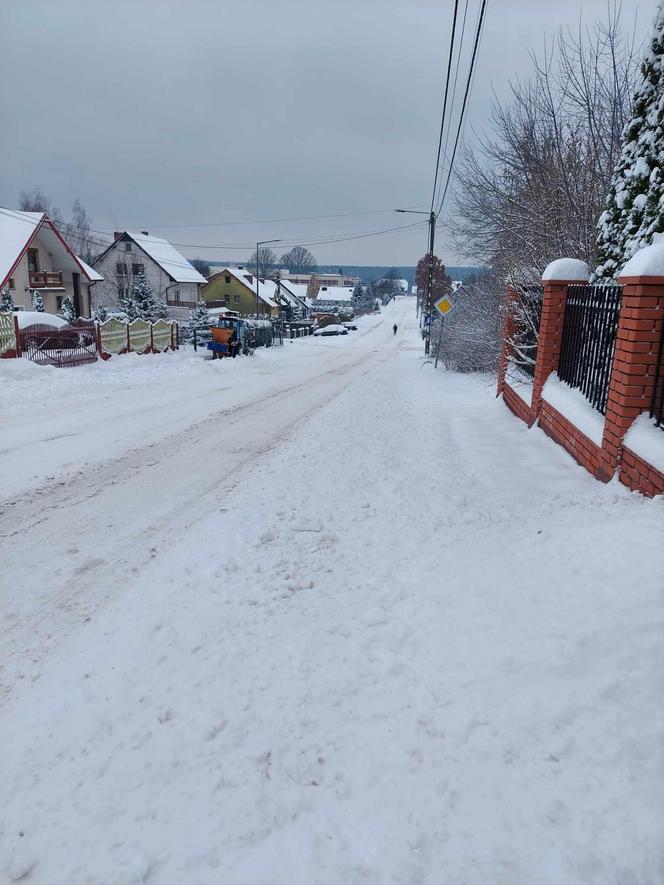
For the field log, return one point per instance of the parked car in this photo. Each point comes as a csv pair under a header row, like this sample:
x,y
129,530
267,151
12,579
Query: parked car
x,y
333,329
351,327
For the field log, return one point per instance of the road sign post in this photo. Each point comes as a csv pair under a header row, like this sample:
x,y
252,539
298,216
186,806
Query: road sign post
x,y
444,306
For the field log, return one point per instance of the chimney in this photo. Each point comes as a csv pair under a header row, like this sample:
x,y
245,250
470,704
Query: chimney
x,y
117,234
145,233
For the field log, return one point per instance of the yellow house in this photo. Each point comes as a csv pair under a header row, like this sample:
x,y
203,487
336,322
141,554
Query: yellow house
x,y
235,288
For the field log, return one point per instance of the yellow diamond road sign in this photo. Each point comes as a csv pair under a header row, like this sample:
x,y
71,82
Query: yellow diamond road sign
x,y
443,305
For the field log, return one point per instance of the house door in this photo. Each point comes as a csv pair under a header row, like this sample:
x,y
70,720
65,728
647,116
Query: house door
x,y
77,293
33,261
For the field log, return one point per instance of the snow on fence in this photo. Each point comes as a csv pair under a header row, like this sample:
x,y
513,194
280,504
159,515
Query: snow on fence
x,y
84,340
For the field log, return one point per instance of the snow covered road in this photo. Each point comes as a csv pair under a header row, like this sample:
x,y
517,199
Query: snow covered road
x,y
370,629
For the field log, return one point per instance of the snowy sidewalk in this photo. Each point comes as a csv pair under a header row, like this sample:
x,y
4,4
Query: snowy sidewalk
x,y
417,644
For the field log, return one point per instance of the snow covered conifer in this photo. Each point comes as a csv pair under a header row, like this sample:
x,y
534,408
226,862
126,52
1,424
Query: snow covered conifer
x,y
100,313
6,302
635,205
198,320
68,311
358,294
38,302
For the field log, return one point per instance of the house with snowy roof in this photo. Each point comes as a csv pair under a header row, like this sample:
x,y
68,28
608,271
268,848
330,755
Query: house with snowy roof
x,y
236,288
171,277
35,257
340,294
294,296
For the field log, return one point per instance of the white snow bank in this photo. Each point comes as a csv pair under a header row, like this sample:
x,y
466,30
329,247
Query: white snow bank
x,y
648,262
34,317
567,269
646,441
573,405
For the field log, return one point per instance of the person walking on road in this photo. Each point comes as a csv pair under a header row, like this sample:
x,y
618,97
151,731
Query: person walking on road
x,y
394,328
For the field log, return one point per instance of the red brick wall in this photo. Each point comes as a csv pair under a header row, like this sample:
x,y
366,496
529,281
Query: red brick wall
x,y
584,451
639,476
516,405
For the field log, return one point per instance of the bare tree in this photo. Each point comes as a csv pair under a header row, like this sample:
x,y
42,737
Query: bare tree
x,y
37,201
470,334
263,263
299,260
79,233
536,186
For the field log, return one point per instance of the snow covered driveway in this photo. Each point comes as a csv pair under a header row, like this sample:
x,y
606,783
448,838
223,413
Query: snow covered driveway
x,y
405,640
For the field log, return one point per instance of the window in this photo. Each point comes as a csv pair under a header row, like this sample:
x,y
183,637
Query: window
x,y
227,278
121,269
137,269
236,299
127,246
227,298
33,261
12,284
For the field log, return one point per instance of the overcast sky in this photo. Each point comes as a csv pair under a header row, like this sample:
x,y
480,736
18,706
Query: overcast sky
x,y
164,114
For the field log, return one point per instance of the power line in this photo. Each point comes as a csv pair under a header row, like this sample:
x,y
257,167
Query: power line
x,y
447,86
478,33
454,88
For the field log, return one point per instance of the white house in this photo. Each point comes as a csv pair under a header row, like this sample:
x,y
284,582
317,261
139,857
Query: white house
x,y
35,257
295,294
335,293
169,274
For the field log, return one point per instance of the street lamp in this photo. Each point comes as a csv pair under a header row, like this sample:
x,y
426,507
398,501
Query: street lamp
x,y
261,243
432,233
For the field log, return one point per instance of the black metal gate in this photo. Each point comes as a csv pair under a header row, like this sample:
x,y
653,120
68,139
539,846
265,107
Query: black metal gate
x,y
72,345
589,339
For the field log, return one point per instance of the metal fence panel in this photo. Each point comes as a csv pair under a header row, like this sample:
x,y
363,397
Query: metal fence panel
x,y
588,340
657,405
72,345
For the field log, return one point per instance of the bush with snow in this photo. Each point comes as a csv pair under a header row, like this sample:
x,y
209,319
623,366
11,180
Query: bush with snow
x,y
6,301
38,302
68,311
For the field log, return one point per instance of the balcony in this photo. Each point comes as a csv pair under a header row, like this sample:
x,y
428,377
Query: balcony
x,y
51,279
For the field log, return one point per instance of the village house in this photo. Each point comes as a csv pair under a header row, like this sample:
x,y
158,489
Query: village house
x,y
235,288
171,277
35,257
294,295
325,279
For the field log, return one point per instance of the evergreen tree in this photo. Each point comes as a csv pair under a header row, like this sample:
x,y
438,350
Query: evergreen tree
x,y
143,302
128,306
198,320
358,294
635,205
68,312
100,313
6,303
38,302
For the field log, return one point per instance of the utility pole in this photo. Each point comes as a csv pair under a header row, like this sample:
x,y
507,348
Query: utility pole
x,y
429,291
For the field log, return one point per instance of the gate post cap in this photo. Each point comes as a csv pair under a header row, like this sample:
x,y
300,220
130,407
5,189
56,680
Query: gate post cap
x,y
647,262
566,270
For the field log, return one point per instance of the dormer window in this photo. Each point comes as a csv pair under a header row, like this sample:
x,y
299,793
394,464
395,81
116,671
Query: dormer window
x,y
127,246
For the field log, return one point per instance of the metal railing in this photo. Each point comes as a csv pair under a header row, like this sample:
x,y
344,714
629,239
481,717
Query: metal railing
x,y
588,340
657,405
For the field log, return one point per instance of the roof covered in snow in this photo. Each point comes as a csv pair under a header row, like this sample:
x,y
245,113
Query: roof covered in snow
x,y
168,258
18,229
335,293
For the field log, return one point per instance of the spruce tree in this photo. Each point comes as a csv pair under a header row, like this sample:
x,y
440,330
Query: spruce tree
x,y
6,302
100,313
358,294
198,320
143,297
38,302
68,312
635,205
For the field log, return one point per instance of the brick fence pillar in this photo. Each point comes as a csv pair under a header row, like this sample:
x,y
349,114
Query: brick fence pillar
x,y
509,328
637,349
556,278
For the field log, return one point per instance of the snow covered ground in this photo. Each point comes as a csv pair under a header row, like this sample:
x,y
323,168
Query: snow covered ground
x,y
329,617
